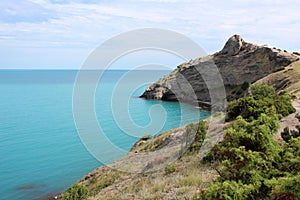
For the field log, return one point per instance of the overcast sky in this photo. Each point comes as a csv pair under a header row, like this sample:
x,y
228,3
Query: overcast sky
x,y
52,34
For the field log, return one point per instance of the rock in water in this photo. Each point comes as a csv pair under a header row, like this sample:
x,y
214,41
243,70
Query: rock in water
x,y
237,62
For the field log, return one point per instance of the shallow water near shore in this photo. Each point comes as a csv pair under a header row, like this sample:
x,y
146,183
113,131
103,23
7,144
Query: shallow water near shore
x,y
41,152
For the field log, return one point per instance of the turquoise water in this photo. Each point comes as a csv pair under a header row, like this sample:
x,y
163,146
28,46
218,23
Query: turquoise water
x,y
40,150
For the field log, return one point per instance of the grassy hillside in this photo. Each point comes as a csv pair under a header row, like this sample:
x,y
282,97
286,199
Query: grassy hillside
x,y
287,79
179,178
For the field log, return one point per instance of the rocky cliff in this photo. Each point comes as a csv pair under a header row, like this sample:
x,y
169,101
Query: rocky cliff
x,y
238,62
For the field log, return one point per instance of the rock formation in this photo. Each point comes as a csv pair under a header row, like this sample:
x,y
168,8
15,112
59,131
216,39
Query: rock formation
x,y
238,62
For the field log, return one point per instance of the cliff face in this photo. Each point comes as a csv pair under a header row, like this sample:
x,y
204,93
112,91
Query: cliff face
x,y
237,62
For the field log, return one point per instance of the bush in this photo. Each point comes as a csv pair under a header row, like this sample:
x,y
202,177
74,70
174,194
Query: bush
x,y
170,169
290,157
296,53
229,190
285,187
251,164
298,116
260,91
256,135
199,130
286,134
247,107
245,86
283,105
76,192
263,100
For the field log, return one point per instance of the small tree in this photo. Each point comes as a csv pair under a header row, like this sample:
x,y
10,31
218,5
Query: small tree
x,y
260,91
76,192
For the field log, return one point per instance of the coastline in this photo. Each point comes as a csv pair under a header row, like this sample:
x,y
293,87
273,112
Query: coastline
x,y
126,162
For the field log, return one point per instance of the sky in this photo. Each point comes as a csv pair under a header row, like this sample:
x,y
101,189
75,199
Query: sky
x,y
60,34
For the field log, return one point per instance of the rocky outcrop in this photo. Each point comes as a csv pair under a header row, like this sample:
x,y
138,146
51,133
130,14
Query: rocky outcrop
x,y
237,62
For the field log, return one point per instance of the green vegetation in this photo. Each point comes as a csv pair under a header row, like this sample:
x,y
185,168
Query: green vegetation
x,y
199,130
298,116
103,181
260,91
287,134
236,91
146,137
75,192
296,53
170,169
263,100
247,164
250,163
279,69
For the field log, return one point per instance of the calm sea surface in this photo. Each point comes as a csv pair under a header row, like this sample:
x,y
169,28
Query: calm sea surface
x,y
40,150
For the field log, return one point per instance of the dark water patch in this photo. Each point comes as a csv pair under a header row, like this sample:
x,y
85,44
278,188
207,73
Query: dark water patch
x,y
31,187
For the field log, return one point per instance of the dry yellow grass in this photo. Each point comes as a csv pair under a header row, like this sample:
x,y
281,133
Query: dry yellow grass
x,y
189,177
287,79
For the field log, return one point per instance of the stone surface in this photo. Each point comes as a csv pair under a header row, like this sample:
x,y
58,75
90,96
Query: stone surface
x,y
237,62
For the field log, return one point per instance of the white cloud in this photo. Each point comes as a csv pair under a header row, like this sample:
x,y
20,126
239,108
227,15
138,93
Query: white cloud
x,y
77,25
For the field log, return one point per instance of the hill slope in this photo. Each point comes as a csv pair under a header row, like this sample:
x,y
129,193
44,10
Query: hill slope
x,y
288,79
151,169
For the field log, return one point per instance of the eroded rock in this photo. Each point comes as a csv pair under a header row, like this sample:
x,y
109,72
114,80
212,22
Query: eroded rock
x,y
238,62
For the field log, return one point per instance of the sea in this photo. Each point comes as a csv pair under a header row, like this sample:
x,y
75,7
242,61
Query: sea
x,y
41,148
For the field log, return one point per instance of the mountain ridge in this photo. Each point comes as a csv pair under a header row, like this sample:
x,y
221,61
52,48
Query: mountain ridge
x,y
238,62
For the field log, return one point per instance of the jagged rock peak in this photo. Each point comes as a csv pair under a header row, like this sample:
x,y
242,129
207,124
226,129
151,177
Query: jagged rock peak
x,y
233,45
238,62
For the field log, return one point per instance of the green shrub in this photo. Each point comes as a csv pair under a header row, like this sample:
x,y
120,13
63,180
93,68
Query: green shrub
x,y
298,116
296,53
295,133
290,157
230,190
170,169
263,100
286,134
298,127
198,130
260,91
245,86
76,192
285,187
283,105
248,107
251,164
